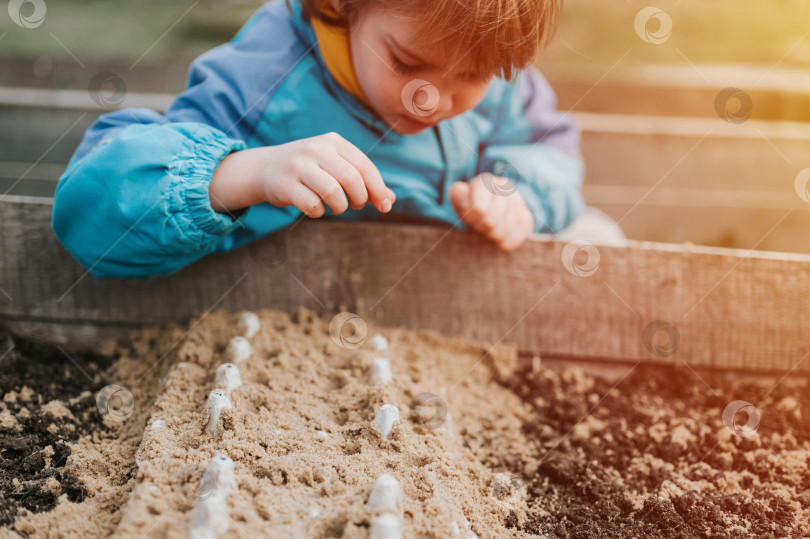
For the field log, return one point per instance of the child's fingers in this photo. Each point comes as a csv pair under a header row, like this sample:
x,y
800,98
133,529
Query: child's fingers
x,y
495,215
520,231
377,191
505,223
460,197
328,188
347,176
513,240
480,199
303,198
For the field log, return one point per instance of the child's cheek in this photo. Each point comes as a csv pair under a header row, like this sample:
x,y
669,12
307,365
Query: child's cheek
x,y
392,90
388,90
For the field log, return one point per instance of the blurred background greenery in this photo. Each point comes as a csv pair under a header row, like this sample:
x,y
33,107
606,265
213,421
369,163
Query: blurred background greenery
x,y
159,38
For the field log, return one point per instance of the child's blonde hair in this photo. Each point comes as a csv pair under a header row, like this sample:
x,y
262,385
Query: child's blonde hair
x,y
497,36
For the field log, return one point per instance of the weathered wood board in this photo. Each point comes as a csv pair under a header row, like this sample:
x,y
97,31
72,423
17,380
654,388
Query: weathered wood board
x,y
724,308
699,179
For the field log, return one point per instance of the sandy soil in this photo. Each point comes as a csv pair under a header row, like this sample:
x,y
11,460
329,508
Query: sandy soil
x,y
487,443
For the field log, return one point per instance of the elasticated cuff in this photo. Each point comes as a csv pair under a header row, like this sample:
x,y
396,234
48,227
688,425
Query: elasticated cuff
x,y
195,222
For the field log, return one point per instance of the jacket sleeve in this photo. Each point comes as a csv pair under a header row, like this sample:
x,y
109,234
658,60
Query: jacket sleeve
x,y
133,201
537,147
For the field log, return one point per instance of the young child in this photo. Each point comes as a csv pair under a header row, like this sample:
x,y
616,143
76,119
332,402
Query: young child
x,y
358,109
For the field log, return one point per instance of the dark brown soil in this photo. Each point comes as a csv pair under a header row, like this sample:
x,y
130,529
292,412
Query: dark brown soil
x,y
648,456
658,428
34,446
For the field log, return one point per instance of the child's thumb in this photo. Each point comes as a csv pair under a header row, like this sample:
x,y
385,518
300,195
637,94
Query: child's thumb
x,y
460,197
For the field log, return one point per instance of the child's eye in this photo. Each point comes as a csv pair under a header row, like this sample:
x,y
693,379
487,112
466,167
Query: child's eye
x,y
407,69
403,68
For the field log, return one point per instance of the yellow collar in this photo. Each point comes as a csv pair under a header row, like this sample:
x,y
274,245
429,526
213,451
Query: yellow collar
x,y
334,46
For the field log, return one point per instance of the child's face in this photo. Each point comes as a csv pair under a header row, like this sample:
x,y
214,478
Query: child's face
x,y
390,77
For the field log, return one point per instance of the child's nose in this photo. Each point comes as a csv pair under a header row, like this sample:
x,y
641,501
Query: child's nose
x,y
433,101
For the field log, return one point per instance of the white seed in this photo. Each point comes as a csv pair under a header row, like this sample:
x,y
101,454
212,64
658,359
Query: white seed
x,y
210,517
157,424
386,416
468,533
238,350
217,401
314,512
378,342
385,493
322,433
448,423
228,377
249,324
219,476
382,370
386,526
467,528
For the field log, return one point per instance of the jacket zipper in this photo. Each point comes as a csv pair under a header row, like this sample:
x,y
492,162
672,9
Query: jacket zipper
x,y
445,168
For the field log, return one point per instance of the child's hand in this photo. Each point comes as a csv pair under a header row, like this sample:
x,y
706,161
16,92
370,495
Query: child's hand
x,y
325,168
303,173
503,218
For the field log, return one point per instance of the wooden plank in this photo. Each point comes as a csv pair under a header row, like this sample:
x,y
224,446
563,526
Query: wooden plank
x,y
81,100
683,90
773,229
42,135
693,153
699,180
730,309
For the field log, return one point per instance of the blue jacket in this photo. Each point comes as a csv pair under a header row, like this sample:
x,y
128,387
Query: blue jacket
x,y
133,201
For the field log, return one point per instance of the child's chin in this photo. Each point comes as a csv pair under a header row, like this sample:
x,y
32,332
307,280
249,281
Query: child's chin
x,y
405,126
